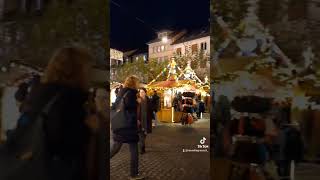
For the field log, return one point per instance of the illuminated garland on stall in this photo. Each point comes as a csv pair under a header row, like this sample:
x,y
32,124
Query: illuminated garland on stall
x,y
172,66
190,72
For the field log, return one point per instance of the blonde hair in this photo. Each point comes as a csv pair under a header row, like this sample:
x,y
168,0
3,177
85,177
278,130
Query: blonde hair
x,y
69,66
132,82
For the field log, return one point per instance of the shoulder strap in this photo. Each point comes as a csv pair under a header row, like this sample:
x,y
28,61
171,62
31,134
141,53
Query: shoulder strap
x,y
37,132
125,95
46,109
33,140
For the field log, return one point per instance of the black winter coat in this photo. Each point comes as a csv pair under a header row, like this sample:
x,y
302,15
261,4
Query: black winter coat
x,y
148,124
66,134
128,135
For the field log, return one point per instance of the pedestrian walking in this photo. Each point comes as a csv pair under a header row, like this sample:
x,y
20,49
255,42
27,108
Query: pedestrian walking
x,y
144,118
289,147
155,106
52,144
129,133
202,108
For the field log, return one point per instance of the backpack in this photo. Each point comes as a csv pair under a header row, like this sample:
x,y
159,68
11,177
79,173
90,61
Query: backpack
x,y
119,115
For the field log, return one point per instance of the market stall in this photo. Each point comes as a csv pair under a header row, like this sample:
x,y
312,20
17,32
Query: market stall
x,y
171,90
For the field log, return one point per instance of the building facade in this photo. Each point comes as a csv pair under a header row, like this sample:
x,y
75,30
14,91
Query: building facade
x,y
134,55
169,44
193,44
11,7
161,48
116,59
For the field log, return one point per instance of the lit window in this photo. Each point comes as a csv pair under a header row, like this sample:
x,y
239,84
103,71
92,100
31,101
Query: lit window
x,y
162,48
137,58
145,57
159,50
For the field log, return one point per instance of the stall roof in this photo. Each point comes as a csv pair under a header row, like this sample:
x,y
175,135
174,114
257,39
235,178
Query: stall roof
x,y
170,84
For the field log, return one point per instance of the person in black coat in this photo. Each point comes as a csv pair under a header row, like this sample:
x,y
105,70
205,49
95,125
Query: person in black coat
x,y
155,99
66,132
129,134
145,114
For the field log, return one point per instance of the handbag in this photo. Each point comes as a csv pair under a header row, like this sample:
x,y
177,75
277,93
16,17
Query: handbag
x,y
120,116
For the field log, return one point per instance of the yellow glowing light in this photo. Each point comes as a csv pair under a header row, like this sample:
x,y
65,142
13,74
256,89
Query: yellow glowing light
x,y
172,116
164,39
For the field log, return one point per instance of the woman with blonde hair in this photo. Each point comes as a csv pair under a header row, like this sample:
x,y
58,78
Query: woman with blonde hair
x,y
64,86
128,134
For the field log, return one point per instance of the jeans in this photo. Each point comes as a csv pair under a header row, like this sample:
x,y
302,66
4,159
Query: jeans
x,y
142,141
284,169
134,161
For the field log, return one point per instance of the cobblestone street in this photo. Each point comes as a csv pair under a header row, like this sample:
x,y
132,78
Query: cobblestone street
x,y
307,171
165,159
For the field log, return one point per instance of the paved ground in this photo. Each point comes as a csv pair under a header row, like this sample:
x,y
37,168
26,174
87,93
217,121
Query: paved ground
x,y
308,172
165,159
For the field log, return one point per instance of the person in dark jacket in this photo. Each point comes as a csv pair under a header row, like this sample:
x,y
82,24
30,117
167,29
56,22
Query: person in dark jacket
x,y
155,106
144,118
129,134
65,130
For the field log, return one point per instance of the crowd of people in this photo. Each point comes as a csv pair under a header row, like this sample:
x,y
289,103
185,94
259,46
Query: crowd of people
x,y
188,105
59,129
268,139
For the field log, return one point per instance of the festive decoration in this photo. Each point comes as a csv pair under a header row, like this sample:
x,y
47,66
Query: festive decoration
x,y
206,80
254,34
189,74
172,75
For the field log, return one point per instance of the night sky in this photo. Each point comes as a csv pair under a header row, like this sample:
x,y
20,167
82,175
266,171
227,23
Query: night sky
x,y
128,32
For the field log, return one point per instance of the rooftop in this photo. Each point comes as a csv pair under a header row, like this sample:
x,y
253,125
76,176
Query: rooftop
x,y
171,35
192,35
136,52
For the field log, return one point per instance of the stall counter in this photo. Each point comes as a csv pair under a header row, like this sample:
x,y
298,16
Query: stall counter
x,y
166,115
